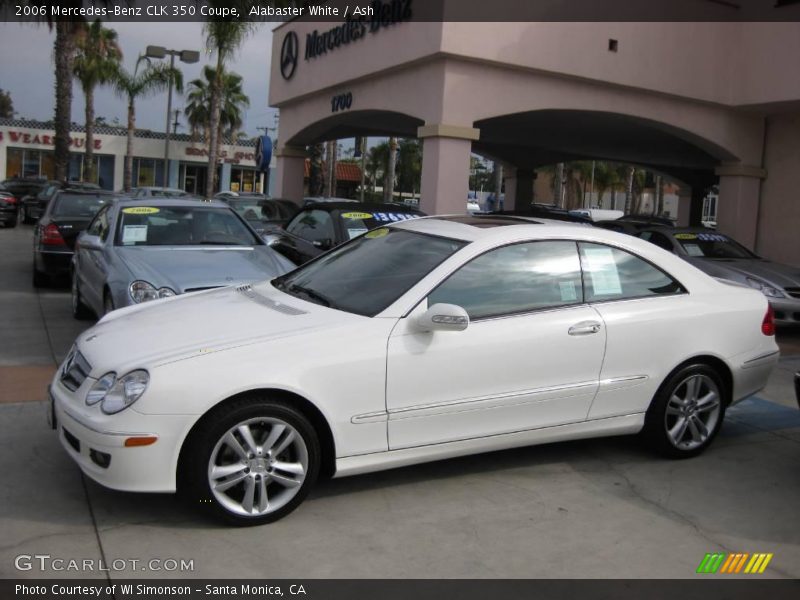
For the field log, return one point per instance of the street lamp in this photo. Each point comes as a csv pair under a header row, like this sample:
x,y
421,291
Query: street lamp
x,y
186,56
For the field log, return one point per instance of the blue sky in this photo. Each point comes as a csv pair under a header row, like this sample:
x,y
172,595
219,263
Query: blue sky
x,y
27,71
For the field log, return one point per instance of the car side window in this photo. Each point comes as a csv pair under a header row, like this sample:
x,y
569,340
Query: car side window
x,y
614,274
312,225
659,239
99,226
515,279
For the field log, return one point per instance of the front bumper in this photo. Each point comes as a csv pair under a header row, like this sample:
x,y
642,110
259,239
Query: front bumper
x,y
787,310
93,439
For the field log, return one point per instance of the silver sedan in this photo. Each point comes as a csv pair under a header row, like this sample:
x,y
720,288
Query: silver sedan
x,y
140,250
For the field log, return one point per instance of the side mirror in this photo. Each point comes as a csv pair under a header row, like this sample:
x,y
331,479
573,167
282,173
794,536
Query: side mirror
x,y
90,242
443,317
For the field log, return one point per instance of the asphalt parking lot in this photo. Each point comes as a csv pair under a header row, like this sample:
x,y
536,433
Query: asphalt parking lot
x,y
591,509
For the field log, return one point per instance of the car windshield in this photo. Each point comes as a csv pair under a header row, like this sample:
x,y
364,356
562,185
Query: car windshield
x,y
357,222
79,206
712,245
181,226
366,275
259,210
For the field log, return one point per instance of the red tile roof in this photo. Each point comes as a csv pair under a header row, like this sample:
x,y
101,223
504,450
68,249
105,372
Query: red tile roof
x,y
344,171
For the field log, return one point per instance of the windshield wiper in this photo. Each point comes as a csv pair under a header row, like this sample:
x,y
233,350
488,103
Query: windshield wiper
x,y
312,294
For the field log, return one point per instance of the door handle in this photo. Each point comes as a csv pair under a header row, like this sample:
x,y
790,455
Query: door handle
x,y
584,328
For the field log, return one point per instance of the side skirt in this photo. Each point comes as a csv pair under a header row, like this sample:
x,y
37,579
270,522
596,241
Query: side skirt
x,y
368,463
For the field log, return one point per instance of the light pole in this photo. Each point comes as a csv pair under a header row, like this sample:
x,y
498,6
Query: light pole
x,y
186,56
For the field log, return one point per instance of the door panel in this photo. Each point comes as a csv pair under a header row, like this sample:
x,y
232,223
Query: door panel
x,y
500,375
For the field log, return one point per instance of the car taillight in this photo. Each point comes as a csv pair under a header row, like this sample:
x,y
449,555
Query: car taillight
x,y
10,200
768,324
51,236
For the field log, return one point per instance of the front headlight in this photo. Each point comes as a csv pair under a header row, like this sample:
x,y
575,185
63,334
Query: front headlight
x,y
764,288
142,291
99,390
123,392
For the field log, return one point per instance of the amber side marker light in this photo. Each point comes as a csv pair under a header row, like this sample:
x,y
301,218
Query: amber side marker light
x,y
140,441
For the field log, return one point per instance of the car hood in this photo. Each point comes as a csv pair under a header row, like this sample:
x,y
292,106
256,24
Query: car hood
x,y
190,268
777,274
162,331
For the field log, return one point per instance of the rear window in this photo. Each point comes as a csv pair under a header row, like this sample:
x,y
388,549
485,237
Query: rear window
x,y
79,206
711,245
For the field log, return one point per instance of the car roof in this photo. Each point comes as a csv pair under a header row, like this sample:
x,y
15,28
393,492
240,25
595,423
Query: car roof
x,y
85,191
361,206
673,230
156,201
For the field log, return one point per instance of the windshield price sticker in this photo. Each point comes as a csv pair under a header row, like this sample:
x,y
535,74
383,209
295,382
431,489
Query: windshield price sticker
x,y
711,237
132,234
357,215
140,210
377,233
394,217
685,236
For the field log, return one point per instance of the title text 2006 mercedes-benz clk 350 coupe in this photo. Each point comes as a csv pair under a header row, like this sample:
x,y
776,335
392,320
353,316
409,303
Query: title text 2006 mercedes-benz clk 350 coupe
x,y
422,340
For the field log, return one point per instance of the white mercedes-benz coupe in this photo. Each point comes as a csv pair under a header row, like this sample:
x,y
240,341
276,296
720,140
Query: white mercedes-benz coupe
x,y
422,340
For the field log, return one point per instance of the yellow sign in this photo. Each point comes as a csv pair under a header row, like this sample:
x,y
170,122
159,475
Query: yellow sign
x,y
356,215
685,236
377,233
140,210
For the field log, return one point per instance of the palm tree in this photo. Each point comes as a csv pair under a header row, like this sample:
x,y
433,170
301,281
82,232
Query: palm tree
x,y
96,63
388,184
377,162
232,105
605,179
224,38
139,84
64,54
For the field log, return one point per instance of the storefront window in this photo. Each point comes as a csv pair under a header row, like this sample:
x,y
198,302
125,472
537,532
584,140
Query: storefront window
x,y
244,180
30,164
14,162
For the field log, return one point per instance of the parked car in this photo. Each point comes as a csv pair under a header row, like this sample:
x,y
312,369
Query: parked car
x,y
323,199
19,187
263,214
158,192
67,214
544,211
797,388
633,224
648,220
140,250
364,360
8,209
723,257
33,205
319,227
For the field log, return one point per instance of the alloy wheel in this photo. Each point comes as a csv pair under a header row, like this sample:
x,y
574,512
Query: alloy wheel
x,y
692,412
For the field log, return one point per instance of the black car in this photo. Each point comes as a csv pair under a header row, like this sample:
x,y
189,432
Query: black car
x,y
33,205
543,211
8,209
67,214
265,215
321,226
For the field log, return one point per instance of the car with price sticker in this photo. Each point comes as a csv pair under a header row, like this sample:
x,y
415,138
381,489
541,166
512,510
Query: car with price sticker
x,y
363,360
721,256
321,226
139,250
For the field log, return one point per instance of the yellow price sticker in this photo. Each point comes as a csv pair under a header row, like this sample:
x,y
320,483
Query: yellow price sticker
x,y
685,236
357,215
377,233
140,210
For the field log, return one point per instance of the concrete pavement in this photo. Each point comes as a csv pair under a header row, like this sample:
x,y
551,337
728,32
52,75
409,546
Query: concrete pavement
x,y
596,508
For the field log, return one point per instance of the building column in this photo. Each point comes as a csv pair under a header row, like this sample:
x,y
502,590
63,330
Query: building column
x,y
524,191
290,173
510,185
445,167
225,177
172,179
737,207
684,205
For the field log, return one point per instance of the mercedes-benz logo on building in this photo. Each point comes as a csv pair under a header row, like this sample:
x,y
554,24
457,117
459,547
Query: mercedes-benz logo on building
x,y
289,52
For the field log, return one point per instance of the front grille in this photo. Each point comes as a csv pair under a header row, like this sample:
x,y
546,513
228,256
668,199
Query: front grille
x,y
794,292
74,371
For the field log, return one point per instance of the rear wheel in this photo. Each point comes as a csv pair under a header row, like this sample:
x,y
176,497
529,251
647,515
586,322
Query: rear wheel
x,y
250,462
79,310
40,279
687,412
12,222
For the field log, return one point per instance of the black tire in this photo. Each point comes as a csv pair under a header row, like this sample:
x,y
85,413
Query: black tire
x,y
79,310
672,402
40,279
26,219
204,445
12,223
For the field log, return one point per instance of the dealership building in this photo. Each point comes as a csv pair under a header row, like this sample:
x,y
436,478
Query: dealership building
x,y
26,150
703,103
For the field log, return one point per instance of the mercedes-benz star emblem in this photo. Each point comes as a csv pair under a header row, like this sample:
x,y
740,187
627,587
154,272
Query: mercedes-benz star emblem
x,y
289,55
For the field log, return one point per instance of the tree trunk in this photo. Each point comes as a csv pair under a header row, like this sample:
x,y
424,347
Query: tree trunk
x,y
64,48
388,185
216,92
498,185
629,191
88,156
128,175
559,186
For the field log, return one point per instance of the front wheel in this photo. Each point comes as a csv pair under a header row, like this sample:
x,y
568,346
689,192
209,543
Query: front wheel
x,y
687,412
79,310
252,461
